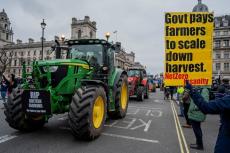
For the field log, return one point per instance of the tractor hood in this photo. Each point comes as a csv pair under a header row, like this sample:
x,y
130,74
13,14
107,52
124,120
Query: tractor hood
x,y
56,62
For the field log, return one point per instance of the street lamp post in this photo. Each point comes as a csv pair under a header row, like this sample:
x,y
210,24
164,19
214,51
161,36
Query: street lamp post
x,y
107,35
43,26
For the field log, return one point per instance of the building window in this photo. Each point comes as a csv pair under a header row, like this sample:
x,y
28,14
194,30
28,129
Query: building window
x,y
225,33
14,71
15,62
15,54
217,33
28,54
27,70
226,43
226,66
218,56
79,34
22,54
217,24
35,53
19,71
217,66
226,55
7,36
225,23
217,44
40,52
91,34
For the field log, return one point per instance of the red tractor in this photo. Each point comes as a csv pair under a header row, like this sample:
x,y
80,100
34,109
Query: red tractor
x,y
138,83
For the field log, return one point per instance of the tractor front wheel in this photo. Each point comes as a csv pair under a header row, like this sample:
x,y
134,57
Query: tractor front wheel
x,y
16,117
87,112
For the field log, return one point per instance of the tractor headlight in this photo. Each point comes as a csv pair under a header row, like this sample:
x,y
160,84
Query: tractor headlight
x,y
50,68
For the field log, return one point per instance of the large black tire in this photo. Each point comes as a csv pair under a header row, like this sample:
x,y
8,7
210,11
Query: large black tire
x,y
121,100
146,93
16,117
81,112
140,93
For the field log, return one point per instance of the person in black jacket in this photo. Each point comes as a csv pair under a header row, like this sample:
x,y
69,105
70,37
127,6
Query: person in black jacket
x,y
12,83
220,106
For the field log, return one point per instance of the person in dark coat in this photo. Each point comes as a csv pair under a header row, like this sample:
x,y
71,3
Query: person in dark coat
x,y
3,90
220,106
12,83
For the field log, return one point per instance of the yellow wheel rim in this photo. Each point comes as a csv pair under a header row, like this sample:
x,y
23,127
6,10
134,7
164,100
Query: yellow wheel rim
x,y
124,96
98,112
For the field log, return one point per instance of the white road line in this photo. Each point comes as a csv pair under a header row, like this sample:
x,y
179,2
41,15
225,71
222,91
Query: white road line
x,y
121,136
6,138
143,107
130,138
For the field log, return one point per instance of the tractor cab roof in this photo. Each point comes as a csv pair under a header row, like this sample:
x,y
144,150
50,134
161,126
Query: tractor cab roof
x,y
86,41
136,68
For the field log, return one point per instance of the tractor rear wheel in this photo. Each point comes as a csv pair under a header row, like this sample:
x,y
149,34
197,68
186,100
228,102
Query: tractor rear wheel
x,y
87,112
140,93
16,117
121,99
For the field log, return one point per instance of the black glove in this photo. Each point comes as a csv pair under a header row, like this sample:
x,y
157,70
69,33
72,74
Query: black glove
x,y
188,86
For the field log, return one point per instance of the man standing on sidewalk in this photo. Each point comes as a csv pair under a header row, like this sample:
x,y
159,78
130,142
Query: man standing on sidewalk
x,y
180,91
196,117
3,90
186,103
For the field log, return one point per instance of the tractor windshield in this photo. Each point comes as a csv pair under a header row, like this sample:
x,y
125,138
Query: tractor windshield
x,y
133,73
92,53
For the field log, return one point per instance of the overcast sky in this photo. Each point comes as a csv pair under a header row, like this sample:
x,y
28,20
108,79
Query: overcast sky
x,y
140,23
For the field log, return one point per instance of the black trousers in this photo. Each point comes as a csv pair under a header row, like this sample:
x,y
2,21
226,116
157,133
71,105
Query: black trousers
x,y
186,107
196,126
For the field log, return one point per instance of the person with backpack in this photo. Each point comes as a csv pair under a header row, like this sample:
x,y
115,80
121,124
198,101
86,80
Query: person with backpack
x,y
196,117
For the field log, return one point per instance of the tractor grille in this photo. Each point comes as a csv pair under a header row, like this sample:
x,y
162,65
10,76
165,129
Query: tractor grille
x,y
56,76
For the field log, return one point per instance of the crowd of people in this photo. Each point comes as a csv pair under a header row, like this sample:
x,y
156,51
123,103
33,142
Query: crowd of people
x,y
7,86
195,103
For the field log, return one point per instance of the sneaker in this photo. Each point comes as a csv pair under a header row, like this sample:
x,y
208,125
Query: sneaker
x,y
186,126
195,146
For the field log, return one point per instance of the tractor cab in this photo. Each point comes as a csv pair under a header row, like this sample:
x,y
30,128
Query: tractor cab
x,y
138,83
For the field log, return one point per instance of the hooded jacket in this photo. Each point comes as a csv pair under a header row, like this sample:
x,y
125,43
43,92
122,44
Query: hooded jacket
x,y
194,112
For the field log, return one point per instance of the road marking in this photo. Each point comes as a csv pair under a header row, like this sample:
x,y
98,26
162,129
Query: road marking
x,y
6,138
181,131
130,138
177,130
143,107
120,136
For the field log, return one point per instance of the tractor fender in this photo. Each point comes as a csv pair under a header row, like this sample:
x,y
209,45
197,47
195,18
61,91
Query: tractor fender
x,y
117,77
144,82
95,83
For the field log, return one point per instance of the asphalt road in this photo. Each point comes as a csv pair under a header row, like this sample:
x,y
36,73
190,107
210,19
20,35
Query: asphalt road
x,y
151,126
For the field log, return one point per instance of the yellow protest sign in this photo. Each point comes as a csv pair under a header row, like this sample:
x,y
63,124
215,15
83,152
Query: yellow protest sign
x,y
188,48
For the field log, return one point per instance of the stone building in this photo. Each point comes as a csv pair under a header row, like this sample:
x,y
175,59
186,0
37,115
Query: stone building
x,y
200,7
221,43
221,50
6,32
83,29
31,51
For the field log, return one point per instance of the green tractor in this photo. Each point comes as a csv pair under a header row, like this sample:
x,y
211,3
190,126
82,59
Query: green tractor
x,y
86,84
